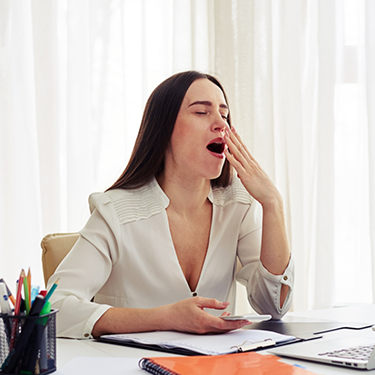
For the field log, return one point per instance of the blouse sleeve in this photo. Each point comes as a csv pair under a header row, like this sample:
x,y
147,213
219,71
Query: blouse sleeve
x,y
263,288
82,274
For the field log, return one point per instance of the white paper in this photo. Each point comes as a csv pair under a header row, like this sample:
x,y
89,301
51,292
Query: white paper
x,y
101,366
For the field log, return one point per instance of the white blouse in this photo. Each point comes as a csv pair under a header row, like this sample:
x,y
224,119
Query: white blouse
x,y
125,258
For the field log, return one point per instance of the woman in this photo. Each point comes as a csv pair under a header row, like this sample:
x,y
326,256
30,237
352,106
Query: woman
x,y
159,250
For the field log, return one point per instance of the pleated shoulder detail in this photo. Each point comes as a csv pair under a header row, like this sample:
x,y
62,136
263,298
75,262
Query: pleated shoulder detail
x,y
134,205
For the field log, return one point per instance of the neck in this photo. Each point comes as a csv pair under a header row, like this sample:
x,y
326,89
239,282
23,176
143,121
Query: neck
x,y
186,197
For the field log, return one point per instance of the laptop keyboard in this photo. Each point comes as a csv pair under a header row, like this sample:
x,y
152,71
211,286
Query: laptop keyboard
x,y
359,352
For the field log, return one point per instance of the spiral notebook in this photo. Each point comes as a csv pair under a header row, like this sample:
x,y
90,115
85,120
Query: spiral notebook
x,y
236,364
239,340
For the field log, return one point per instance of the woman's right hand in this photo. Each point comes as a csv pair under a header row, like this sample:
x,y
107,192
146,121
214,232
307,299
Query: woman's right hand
x,y
189,316
185,316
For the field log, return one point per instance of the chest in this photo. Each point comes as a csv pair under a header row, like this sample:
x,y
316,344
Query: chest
x,y
159,262
149,270
191,237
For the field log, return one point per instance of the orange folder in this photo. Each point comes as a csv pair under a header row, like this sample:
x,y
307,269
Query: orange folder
x,y
227,364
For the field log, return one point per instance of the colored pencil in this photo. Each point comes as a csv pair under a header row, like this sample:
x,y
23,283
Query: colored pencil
x,y
27,295
29,285
18,295
49,294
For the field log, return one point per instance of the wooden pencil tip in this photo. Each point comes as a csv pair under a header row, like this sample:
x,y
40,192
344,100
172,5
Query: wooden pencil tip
x,y
23,273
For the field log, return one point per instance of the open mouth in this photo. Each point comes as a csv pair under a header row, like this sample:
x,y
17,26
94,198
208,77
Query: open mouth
x,y
216,147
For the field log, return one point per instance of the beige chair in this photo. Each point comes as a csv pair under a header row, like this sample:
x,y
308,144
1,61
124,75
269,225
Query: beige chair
x,y
55,247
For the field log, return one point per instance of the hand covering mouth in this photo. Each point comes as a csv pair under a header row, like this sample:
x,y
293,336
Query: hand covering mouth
x,y
217,146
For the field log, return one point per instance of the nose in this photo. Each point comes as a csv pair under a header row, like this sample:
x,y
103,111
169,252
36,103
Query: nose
x,y
219,123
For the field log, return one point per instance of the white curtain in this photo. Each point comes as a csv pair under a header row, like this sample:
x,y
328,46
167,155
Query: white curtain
x,y
75,75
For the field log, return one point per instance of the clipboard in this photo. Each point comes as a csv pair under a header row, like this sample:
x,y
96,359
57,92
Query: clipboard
x,y
237,341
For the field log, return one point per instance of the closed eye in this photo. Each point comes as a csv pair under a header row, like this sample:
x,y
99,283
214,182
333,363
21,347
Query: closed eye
x,y
205,113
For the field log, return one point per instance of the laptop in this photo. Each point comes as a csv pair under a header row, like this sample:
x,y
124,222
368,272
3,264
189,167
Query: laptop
x,y
354,352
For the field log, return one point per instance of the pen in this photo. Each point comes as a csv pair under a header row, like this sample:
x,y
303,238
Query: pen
x,y
4,301
43,345
10,295
34,292
5,309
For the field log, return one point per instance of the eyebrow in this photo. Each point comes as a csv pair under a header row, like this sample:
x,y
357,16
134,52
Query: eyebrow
x,y
208,103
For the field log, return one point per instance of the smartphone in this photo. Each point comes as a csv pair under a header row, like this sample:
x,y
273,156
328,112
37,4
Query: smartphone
x,y
249,317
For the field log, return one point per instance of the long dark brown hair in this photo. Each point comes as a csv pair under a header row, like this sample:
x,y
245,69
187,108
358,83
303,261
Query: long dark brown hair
x,y
155,132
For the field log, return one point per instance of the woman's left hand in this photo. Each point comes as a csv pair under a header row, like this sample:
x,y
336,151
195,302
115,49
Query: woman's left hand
x,y
253,177
275,252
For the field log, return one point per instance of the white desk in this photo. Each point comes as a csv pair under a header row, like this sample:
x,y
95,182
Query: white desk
x,y
69,349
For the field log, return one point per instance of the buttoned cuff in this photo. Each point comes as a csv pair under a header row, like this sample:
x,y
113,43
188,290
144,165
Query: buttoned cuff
x,y
87,330
274,283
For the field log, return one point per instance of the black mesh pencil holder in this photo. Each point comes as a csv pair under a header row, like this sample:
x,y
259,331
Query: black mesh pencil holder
x,y
28,344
